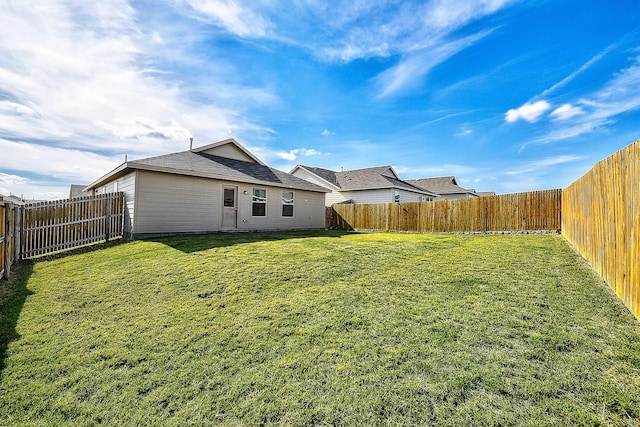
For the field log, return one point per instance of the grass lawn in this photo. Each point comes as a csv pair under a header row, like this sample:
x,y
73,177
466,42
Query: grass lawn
x,y
317,328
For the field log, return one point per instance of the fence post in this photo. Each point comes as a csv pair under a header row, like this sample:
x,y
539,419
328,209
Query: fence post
x,y
107,219
7,232
17,233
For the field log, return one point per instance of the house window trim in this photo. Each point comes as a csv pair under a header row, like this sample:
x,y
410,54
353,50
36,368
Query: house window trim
x,y
254,201
292,204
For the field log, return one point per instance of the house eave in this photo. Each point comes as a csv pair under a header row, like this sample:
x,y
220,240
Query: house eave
x,y
121,170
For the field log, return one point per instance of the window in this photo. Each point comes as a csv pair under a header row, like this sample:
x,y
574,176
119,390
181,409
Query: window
x,y
426,198
259,202
287,203
229,198
396,196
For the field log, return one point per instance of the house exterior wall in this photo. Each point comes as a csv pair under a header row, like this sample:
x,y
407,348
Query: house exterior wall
x,y
127,185
455,196
308,210
386,195
166,203
230,151
335,197
408,196
330,198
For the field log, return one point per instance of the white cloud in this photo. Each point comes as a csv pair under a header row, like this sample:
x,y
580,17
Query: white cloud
x,y
327,132
64,164
88,78
292,155
464,132
529,112
241,19
31,189
566,111
537,165
600,108
410,71
447,15
591,62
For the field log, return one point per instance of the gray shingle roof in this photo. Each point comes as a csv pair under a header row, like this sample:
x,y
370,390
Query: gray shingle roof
x,y
441,185
365,179
210,166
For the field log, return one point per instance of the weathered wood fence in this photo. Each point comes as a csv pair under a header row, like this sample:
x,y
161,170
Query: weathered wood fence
x,y
531,211
601,218
37,229
7,255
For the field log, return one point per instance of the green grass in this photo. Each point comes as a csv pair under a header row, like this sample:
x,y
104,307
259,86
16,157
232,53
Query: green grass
x,y
317,328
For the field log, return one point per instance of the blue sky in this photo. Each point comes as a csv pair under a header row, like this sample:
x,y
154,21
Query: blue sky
x,y
506,95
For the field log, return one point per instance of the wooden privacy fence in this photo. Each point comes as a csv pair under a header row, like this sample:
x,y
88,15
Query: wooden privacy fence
x,y
601,218
531,211
41,228
7,252
63,224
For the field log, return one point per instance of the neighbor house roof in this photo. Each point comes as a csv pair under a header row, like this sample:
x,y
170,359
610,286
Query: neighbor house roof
x,y
77,190
442,185
198,163
365,179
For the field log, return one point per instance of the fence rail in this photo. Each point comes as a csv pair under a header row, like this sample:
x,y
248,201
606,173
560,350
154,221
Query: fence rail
x,y
37,229
531,211
63,224
601,218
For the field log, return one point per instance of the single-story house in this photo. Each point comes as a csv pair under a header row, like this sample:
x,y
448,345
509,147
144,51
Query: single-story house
x,y
218,187
446,187
370,185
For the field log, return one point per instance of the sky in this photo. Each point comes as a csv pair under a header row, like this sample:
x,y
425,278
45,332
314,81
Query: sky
x,y
506,95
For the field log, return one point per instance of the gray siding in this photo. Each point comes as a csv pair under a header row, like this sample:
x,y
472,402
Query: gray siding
x,y
330,198
308,210
370,196
168,203
160,203
127,185
230,151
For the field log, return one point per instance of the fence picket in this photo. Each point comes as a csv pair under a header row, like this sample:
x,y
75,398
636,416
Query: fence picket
x,y
510,212
600,217
63,224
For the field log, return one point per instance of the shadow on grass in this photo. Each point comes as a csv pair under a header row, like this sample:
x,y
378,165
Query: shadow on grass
x,y
190,243
13,294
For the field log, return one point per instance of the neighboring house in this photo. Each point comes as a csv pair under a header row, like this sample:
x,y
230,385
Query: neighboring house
x,y
76,191
371,185
218,187
486,193
446,187
16,200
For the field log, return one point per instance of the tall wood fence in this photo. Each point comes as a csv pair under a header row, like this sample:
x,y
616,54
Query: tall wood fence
x,y
7,253
601,218
37,229
531,211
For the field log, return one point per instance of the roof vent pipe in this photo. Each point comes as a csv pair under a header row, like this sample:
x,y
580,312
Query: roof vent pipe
x,y
190,144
